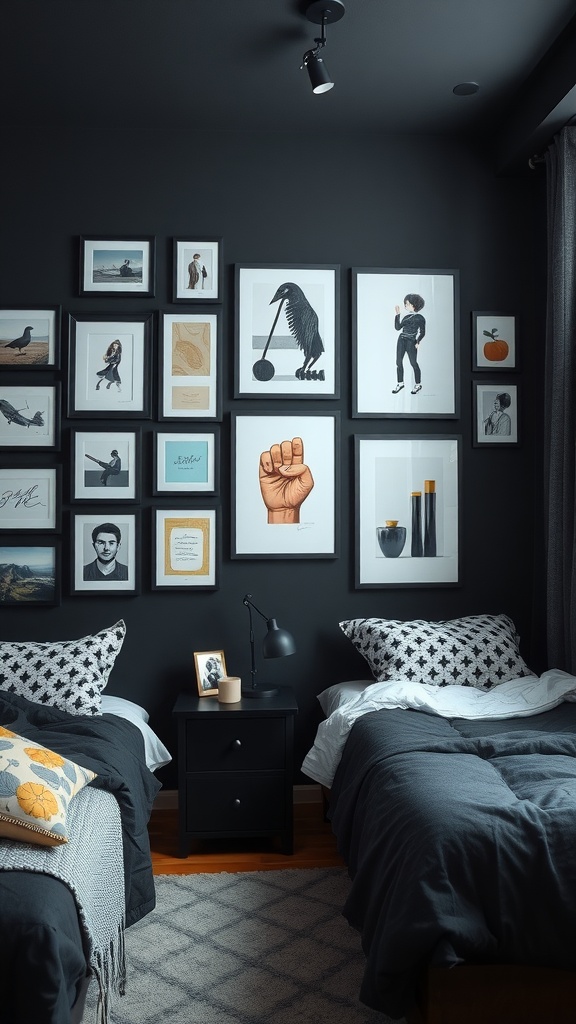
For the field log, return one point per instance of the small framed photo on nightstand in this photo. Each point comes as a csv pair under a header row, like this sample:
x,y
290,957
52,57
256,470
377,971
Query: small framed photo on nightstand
x,y
210,667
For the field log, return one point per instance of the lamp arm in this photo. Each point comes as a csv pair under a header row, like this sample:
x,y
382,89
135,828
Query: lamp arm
x,y
247,600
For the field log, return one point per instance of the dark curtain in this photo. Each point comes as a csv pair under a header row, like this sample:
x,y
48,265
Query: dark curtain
x,y
560,403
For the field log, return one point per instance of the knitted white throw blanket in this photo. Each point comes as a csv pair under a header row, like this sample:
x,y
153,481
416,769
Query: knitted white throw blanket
x,y
91,865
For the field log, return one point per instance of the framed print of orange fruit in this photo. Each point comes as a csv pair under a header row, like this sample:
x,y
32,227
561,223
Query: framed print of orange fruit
x,y
494,344
496,349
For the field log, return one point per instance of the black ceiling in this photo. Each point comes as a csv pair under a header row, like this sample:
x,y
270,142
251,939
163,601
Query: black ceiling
x,y
235,64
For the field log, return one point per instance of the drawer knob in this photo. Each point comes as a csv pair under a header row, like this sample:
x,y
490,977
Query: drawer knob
x,y
237,802
237,744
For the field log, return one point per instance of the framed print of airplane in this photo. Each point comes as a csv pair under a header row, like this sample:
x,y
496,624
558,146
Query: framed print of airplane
x,y
30,417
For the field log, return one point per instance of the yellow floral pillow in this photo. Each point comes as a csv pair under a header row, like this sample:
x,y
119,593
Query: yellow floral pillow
x,y
36,786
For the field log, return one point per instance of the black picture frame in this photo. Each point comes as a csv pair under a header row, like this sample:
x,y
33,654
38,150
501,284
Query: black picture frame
x,y
378,358
31,573
31,427
495,342
99,274
190,365
91,337
289,312
31,499
113,471
495,414
42,351
207,286
82,525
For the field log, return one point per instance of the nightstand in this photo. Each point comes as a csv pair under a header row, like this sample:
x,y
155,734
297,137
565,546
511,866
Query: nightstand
x,y
235,765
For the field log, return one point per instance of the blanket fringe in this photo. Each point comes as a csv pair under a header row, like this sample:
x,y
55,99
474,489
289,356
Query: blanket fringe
x,y
109,969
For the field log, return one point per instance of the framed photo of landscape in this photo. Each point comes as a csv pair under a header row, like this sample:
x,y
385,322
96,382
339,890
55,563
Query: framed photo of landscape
x,y
117,266
190,359
30,417
405,343
30,574
407,492
285,482
186,549
287,331
30,338
197,270
106,465
109,366
30,499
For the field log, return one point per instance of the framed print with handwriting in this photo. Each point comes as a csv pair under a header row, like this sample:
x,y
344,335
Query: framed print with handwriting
x,y
186,463
186,549
30,499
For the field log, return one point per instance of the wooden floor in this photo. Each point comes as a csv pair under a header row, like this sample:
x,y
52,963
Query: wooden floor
x,y
314,847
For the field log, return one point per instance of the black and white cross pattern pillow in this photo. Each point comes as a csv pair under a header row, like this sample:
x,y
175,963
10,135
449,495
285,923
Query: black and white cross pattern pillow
x,y
476,650
69,675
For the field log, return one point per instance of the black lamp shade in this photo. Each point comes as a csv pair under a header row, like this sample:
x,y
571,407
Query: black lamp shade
x,y
277,643
319,77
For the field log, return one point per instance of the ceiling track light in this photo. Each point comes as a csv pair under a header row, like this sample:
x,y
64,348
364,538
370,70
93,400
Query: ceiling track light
x,y
321,12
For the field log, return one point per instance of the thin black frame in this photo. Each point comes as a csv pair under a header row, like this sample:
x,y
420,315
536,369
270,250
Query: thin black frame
x,y
56,546
361,502
310,386
57,339
148,287
247,497
56,425
177,296
100,588
135,467
186,512
170,492
188,415
147,321
392,410
493,366
497,440
57,496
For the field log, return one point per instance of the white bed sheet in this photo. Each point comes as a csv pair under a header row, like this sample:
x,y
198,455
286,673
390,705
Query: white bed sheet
x,y
529,695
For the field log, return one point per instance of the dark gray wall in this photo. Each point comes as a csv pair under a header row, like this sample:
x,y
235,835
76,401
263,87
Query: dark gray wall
x,y
353,200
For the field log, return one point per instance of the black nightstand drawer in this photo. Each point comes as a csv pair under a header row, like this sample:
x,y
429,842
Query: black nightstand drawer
x,y
239,744
234,805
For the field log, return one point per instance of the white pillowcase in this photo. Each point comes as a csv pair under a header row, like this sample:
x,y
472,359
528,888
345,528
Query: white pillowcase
x,y
67,674
336,696
157,755
476,650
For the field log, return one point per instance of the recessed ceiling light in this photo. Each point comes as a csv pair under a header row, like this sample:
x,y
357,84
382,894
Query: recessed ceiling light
x,y
466,89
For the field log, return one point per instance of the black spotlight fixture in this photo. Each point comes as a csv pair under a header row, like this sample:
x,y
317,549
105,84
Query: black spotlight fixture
x,y
321,12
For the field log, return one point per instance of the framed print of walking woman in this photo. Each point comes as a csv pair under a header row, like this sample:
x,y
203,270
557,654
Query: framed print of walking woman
x,y
109,374
287,331
405,351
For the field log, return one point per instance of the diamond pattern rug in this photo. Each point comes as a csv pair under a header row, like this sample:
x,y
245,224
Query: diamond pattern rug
x,y
263,947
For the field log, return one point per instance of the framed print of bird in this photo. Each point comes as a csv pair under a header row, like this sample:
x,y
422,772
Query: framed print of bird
x,y
30,338
287,331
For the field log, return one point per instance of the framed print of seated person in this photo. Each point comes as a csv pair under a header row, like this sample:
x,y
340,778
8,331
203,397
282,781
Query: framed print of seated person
x,y
106,541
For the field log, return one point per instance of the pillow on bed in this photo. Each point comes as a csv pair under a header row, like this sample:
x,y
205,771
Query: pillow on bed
x,y
156,754
69,675
36,786
339,694
477,650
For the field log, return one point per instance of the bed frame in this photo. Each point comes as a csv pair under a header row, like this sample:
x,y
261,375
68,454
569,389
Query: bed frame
x,y
506,994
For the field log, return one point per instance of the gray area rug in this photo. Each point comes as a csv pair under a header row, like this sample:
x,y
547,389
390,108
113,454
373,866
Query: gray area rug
x,y
263,947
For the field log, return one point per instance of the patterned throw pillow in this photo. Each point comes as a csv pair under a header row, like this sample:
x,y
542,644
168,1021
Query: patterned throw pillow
x,y
36,786
69,675
477,650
